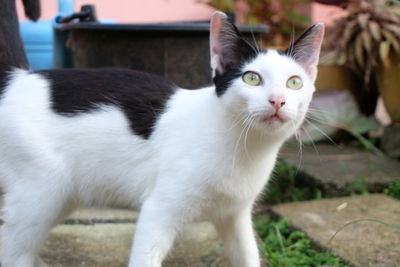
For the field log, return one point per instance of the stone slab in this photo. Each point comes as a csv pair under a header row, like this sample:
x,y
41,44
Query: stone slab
x,y
108,245
366,244
336,167
102,215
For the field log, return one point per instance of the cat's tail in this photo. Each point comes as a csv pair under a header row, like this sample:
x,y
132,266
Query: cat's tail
x,y
12,53
32,9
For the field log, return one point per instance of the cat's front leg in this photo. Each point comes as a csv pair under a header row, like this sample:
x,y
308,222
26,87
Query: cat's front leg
x,y
236,232
158,224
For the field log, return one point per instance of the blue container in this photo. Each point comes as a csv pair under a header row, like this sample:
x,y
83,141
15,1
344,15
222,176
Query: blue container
x,y
38,43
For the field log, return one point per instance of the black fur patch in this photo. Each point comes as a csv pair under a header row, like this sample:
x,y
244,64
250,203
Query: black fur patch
x,y
234,56
3,83
141,96
224,80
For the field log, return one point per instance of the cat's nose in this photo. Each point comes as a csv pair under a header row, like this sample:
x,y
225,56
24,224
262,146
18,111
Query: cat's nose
x,y
277,102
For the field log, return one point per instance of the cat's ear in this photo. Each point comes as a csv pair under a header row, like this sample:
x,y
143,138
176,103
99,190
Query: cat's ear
x,y
227,47
306,49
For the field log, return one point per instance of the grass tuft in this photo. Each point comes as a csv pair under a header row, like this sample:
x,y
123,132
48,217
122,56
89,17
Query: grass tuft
x,y
393,190
283,246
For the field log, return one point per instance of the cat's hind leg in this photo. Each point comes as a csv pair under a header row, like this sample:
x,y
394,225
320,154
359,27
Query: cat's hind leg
x,y
32,205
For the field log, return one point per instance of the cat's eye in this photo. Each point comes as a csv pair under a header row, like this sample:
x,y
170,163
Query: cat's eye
x,y
251,78
294,83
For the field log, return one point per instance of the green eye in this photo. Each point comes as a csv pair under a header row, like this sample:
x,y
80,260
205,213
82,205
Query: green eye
x,y
294,83
251,78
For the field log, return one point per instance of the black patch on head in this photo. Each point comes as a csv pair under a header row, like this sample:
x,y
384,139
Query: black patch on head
x,y
222,82
245,53
235,54
141,96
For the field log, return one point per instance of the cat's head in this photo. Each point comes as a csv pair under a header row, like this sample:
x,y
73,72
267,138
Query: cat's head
x,y
269,89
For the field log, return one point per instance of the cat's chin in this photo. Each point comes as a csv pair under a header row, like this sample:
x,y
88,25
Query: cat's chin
x,y
271,124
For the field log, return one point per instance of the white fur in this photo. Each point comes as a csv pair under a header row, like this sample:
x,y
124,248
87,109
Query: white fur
x,y
209,157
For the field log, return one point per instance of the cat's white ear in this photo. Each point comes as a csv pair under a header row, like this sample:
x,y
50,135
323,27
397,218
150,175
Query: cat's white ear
x,y
227,47
306,49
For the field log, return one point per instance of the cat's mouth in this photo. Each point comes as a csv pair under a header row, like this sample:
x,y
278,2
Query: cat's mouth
x,y
274,118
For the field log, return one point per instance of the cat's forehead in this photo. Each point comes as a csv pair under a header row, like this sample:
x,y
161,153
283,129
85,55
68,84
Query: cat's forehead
x,y
273,62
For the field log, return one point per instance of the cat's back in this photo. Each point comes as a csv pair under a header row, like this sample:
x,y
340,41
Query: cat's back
x,y
140,96
72,93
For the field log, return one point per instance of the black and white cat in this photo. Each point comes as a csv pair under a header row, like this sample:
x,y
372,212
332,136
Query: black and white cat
x,y
126,138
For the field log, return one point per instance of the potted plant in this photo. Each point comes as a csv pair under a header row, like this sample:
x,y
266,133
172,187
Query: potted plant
x,y
284,18
368,41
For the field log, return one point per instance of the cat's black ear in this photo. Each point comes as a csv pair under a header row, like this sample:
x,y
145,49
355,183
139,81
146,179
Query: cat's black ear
x,y
306,49
227,47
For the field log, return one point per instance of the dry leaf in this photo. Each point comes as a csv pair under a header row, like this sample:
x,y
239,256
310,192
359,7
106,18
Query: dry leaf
x,y
384,49
348,33
363,20
394,29
359,51
366,39
375,30
393,40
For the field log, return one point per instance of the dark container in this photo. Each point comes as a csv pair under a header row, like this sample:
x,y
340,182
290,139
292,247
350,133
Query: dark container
x,y
177,51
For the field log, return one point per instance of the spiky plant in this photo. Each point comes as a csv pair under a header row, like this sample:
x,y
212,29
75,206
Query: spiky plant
x,y
364,39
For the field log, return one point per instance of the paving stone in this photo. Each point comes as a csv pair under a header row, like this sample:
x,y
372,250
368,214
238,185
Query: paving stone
x,y
390,142
102,215
108,245
334,167
366,244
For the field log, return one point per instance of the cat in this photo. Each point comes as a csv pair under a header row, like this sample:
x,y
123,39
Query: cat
x,y
127,138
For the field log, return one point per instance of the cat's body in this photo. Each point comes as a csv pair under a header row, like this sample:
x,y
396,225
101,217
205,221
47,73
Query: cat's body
x,y
117,137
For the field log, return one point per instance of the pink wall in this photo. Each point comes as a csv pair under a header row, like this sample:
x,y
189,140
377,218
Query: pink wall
x,y
142,11
126,11
326,14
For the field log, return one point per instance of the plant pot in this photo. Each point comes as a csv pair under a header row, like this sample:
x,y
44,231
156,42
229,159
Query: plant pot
x,y
335,77
389,88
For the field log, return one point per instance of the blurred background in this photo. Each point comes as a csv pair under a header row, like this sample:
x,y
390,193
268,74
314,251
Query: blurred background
x,y
342,168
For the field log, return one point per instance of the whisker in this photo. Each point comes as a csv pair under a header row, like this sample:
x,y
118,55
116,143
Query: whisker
x,y
254,39
322,132
300,147
312,142
237,146
245,137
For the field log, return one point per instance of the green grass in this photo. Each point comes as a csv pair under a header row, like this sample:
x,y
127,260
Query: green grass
x,y
393,190
359,187
284,247
286,187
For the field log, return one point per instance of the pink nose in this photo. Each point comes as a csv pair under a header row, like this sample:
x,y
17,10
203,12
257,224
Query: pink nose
x,y
277,101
